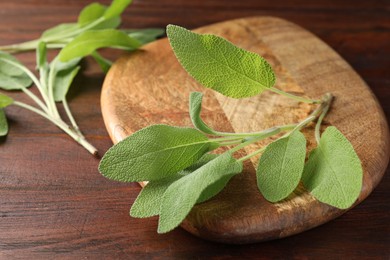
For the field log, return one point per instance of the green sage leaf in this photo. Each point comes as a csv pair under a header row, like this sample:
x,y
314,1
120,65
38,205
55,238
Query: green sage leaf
x,y
154,153
104,63
5,100
63,80
116,8
195,109
3,123
59,30
281,166
12,76
333,172
145,36
218,64
89,41
93,12
41,53
184,193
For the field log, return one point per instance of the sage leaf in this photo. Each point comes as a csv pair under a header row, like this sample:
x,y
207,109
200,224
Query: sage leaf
x,y
104,63
116,8
89,41
12,76
195,109
62,82
154,153
149,199
59,30
93,12
333,172
3,123
145,36
218,64
41,55
5,100
281,166
184,193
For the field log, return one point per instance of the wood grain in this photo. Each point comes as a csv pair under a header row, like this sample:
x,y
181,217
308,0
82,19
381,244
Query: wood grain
x,y
55,204
156,93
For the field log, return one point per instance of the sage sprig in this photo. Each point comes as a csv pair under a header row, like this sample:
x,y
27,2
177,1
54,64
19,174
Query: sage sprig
x,y
182,167
96,28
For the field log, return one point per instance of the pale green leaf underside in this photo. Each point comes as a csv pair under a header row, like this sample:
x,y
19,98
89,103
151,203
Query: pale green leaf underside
x,y
280,167
195,109
154,152
57,30
3,123
89,41
183,194
333,172
218,64
11,76
62,82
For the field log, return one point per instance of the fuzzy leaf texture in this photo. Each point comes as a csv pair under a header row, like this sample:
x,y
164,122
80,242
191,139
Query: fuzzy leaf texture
x,y
3,123
12,77
89,41
333,172
183,194
195,109
149,199
218,64
154,153
281,166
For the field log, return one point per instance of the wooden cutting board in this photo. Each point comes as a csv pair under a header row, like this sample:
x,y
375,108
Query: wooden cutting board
x,y
149,86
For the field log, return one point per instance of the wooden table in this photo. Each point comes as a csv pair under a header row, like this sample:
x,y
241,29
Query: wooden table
x,y
55,204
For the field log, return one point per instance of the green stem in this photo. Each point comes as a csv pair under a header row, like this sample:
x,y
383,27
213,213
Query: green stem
x,y
71,118
62,125
36,99
50,93
252,154
297,98
329,98
282,128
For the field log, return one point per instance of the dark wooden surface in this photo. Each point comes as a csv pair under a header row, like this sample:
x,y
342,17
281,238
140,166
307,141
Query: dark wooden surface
x,y
55,204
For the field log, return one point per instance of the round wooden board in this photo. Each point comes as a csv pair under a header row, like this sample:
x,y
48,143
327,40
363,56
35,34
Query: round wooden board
x,y
149,87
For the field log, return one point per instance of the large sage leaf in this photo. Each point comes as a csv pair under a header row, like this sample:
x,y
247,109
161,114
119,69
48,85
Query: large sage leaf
x,y
281,166
154,153
333,172
218,64
184,193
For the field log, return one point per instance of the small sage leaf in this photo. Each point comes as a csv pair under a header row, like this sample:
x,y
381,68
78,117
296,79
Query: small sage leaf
x,y
41,55
195,109
5,101
149,199
154,153
12,76
62,82
184,193
218,64
93,12
333,172
145,36
89,41
281,166
3,123
116,8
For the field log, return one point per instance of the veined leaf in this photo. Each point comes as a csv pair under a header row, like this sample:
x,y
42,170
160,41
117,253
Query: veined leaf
x,y
89,41
59,30
3,123
281,166
154,153
12,77
195,109
145,36
333,172
116,8
218,64
5,101
183,194
149,199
